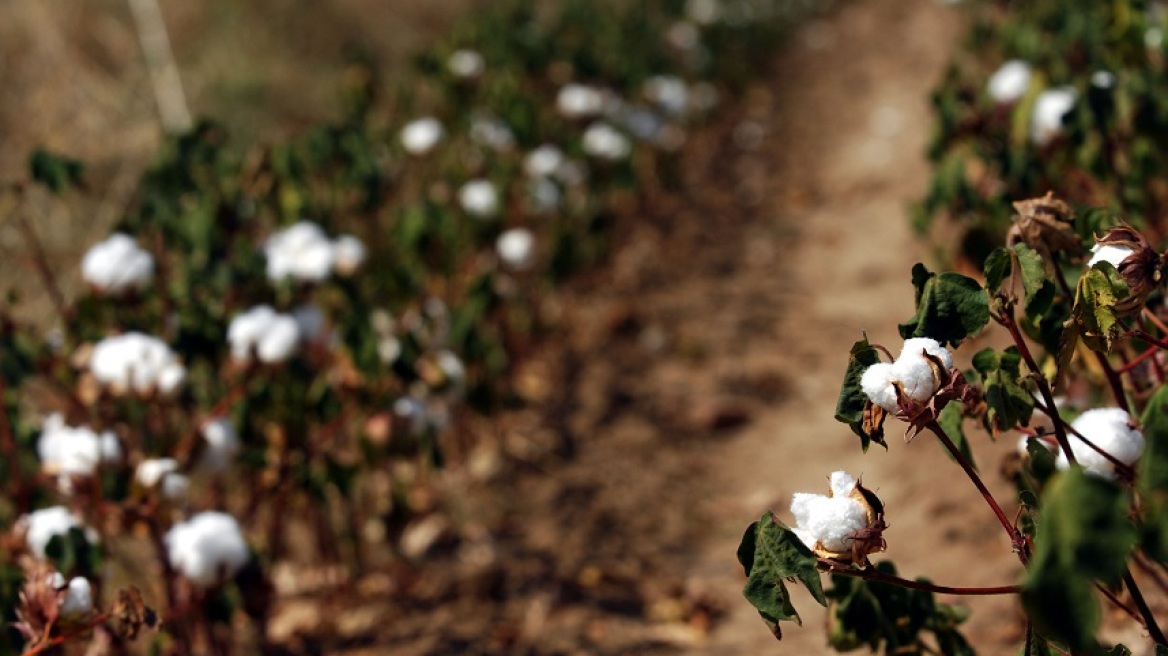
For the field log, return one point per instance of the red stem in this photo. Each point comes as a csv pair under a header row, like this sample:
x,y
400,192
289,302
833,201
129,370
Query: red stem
x,y
881,577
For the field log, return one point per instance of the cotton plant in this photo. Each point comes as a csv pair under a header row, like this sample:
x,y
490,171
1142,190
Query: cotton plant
x,y
117,265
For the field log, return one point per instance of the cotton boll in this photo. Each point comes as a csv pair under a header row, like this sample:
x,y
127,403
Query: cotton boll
x,y
543,161
579,101
917,346
261,331
492,133
136,362
41,526
1010,82
151,471
280,341
828,520
876,383
78,600
516,248
67,450
220,445
466,63
348,255
668,92
1110,430
703,12
479,198
1110,253
301,251
420,136
1049,109
605,142
208,548
311,322
117,265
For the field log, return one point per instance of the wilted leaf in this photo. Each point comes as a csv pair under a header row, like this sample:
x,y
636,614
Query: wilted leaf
x,y
770,553
850,407
950,307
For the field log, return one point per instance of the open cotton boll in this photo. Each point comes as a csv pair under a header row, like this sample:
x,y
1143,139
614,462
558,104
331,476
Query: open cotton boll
x,y
479,198
221,445
41,526
876,382
828,521
576,100
543,161
1109,429
348,254
136,362
420,136
703,12
1049,109
492,133
516,248
915,347
1010,82
78,600
117,265
67,450
668,92
605,142
163,473
271,336
1110,253
466,63
208,548
302,251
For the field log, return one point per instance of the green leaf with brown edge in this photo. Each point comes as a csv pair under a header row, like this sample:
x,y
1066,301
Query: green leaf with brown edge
x,y
1083,536
1009,402
950,420
950,307
849,409
770,553
1153,477
1094,318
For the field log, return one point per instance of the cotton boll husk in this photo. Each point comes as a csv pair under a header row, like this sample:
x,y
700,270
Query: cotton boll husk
x,y
1108,429
876,382
1109,253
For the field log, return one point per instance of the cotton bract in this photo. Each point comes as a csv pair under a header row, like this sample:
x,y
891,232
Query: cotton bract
x,y
1109,429
69,450
138,363
1010,82
208,548
117,265
270,336
828,522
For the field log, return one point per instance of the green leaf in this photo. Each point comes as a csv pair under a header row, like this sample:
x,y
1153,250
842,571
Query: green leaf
x,y
770,553
950,307
1014,274
1007,395
849,408
54,171
1094,318
950,420
1083,536
1153,477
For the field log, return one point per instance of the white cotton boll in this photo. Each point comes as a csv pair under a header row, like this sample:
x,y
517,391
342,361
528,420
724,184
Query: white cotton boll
x,y
348,254
543,161
916,378
261,331
1103,79
703,12
1110,430
452,367
1049,109
151,471
221,445
420,136
915,347
208,548
41,526
1010,82
479,198
491,132
828,520
842,483
516,248
466,63
279,343
876,382
1153,38
136,362
668,92
579,101
78,601
67,450
1110,253
605,142
301,251
545,195
117,265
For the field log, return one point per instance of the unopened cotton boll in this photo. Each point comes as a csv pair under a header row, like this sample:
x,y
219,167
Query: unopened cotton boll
x,y
605,142
348,254
580,101
829,522
479,198
220,445
271,336
1010,82
516,248
1109,429
134,362
208,548
1049,109
466,63
117,265
420,136
302,251
41,526
1110,253
68,450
